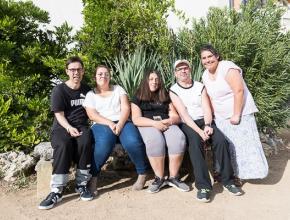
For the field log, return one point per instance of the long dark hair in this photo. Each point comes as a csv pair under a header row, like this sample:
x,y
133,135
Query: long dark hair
x,y
143,92
210,48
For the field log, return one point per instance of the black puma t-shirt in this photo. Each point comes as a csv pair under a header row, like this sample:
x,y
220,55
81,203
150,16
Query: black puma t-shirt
x,y
67,100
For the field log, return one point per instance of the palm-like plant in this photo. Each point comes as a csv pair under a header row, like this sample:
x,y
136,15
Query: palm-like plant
x,y
128,71
197,70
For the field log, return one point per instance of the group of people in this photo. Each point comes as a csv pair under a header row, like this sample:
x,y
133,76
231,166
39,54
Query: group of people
x,y
219,111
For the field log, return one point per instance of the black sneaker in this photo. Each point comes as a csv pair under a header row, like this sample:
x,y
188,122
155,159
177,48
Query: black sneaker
x,y
203,195
178,184
233,190
85,194
50,200
156,185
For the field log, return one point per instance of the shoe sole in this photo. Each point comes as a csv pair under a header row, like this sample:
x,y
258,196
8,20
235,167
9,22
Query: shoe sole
x,y
87,199
49,207
233,194
203,200
173,185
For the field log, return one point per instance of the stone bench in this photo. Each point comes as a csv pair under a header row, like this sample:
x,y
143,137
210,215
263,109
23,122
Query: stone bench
x,y
44,166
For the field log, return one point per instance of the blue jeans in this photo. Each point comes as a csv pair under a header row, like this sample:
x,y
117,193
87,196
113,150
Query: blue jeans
x,y
105,141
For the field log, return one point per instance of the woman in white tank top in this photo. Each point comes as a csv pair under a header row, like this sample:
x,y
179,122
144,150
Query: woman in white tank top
x,y
234,109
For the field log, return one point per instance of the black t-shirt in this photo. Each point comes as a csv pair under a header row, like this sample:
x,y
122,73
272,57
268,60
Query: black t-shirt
x,y
152,110
67,100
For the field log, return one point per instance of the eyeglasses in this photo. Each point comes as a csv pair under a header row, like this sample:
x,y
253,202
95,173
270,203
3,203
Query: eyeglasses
x,y
104,74
73,70
182,68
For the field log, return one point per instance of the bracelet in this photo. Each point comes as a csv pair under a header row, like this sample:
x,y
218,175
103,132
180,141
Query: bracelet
x,y
67,129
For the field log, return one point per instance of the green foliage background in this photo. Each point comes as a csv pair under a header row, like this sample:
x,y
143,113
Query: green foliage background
x,y
131,36
113,27
252,39
25,74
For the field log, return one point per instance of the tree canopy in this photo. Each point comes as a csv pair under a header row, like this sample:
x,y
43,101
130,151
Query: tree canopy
x,y
25,76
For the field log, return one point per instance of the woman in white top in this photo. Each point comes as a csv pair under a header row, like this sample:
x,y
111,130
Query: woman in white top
x,y
234,109
108,107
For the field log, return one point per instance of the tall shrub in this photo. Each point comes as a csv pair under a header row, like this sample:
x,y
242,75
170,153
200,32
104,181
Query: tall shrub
x,y
25,76
253,40
113,27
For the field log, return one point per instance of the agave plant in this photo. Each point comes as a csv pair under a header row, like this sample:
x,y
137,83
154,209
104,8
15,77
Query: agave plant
x,y
197,70
128,71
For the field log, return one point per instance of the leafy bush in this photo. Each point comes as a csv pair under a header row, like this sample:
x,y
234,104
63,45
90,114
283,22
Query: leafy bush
x,y
253,40
24,120
25,73
113,27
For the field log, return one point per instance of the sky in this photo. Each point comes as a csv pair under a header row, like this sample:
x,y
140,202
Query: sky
x,y
70,11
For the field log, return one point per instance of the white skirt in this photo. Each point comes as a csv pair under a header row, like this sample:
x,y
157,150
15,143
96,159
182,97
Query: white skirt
x,y
247,154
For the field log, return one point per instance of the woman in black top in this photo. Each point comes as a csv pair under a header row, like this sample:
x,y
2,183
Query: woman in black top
x,y
156,118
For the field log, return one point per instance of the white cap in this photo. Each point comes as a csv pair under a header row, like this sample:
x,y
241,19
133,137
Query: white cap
x,y
177,62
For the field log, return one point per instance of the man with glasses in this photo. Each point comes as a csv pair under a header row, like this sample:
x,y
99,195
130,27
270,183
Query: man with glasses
x,y
192,103
71,137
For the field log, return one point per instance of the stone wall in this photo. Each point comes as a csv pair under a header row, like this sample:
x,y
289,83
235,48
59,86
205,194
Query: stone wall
x,y
14,163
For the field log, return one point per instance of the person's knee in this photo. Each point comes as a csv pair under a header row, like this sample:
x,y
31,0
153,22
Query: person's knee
x,y
195,142
86,139
99,130
155,147
155,151
133,145
177,146
103,147
220,144
154,141
219,140
65,146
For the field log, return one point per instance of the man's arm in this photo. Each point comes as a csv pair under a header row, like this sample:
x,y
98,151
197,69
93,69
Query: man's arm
x,y
181,109
64,123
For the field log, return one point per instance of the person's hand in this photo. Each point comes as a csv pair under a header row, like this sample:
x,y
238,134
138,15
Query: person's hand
x,y
118,128
208,130
235,119
167,122
160,126
203,135
112,126
74,132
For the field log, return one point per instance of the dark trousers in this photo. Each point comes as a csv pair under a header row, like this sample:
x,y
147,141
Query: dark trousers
x,y
67,149
220,148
